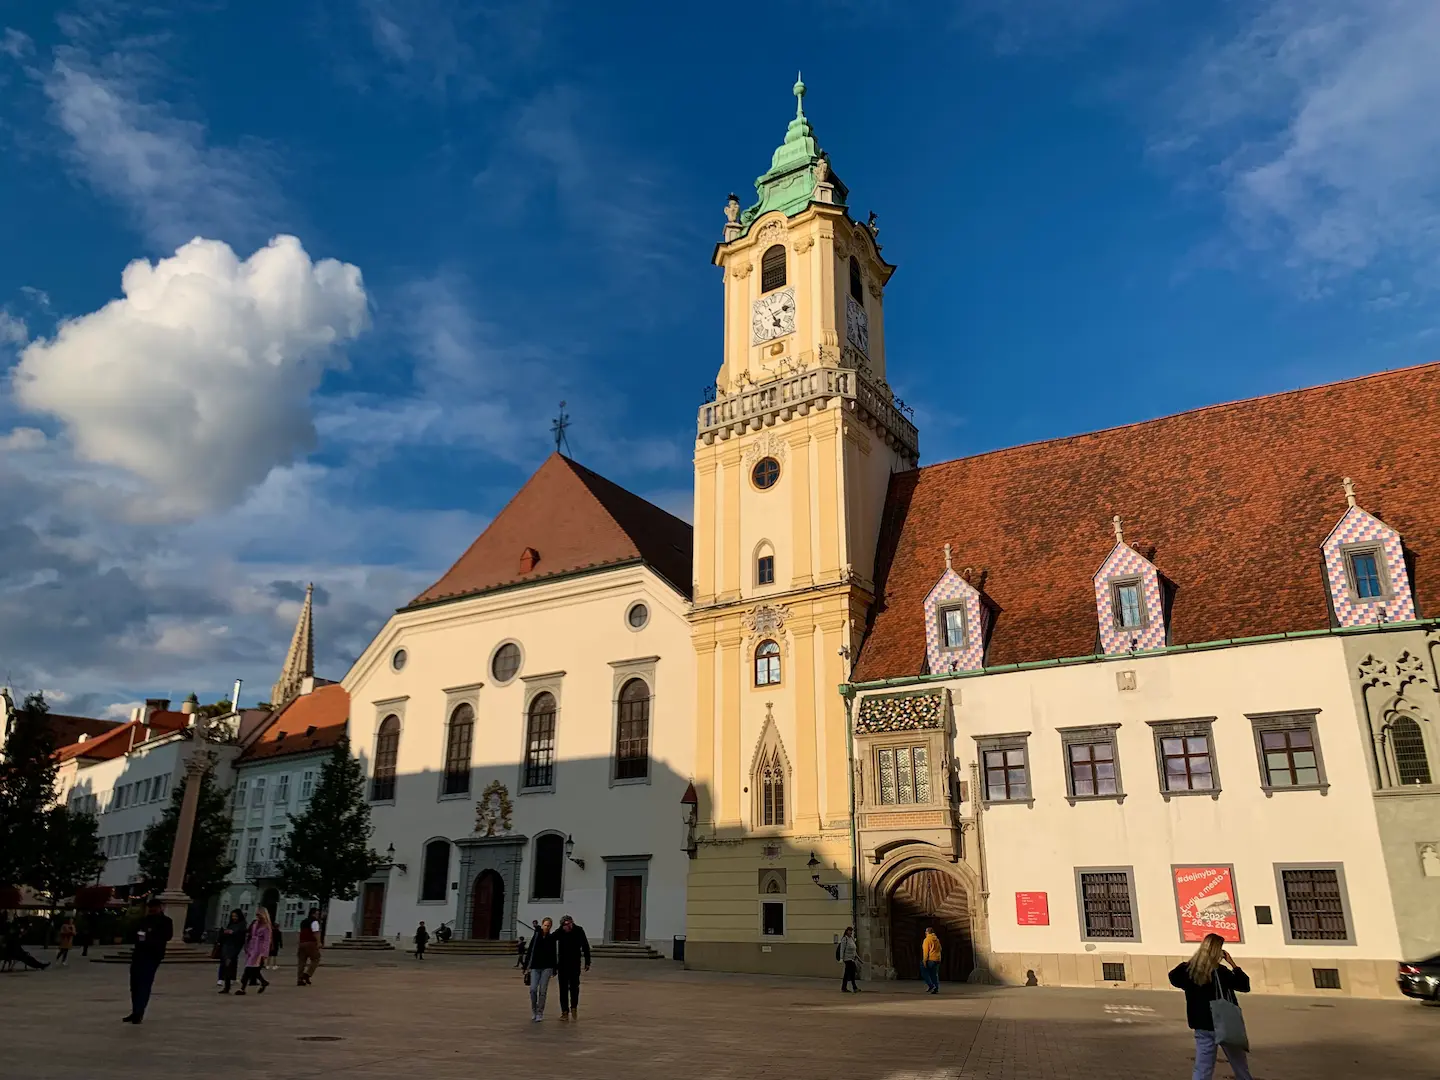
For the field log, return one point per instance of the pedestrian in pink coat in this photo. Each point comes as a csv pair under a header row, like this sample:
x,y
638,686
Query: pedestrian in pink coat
x,y
257,948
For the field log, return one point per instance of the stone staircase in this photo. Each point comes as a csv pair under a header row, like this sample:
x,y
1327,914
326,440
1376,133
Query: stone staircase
x,y
625,950
361,944
175,953
620,950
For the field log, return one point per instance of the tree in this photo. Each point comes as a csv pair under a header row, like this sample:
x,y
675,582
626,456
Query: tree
x,y
209,865
71,856
27,788
327,851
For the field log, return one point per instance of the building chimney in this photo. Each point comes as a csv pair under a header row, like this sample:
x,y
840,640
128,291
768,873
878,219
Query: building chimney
x,y
307,685
235,697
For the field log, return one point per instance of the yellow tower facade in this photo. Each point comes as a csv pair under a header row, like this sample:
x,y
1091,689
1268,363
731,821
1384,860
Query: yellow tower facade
x,y
792,462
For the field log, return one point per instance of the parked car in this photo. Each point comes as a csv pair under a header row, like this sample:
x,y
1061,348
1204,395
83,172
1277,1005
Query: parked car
x,y
1421,978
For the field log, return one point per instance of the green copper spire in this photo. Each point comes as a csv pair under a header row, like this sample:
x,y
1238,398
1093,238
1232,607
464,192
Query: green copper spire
x,y
789,185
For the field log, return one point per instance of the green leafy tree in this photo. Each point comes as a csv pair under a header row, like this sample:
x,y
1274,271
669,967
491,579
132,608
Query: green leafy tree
x,y
27,788
71,856
327,851
209,865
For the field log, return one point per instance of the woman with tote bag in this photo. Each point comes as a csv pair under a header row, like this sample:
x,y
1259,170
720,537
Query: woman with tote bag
x,y
1211,1008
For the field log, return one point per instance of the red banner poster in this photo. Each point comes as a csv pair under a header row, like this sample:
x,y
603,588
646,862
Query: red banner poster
x,y
1205,899
1032,908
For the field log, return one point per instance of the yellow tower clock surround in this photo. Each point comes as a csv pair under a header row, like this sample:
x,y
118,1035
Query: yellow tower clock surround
x,y
792,461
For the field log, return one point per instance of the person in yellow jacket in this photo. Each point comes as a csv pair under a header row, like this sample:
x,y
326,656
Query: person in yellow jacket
x,y
930,968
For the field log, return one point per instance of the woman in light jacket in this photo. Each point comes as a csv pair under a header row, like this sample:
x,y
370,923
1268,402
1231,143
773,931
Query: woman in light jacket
x,y
849,955
257,949
1204,977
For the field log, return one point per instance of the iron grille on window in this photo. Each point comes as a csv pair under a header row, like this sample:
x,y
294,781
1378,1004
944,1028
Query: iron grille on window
x,y
1409,744
1187,763
1005,774
1313,905
1092,768
772,268
1112,972
387,749
905,775
457,750
1290,758
1326,978
540,742
632,752
1108,911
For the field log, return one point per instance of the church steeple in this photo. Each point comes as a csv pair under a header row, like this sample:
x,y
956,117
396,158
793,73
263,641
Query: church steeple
x,y
300,660
799,172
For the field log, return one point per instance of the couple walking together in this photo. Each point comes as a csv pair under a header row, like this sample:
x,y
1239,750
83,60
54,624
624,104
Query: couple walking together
x,y
255,943
561,952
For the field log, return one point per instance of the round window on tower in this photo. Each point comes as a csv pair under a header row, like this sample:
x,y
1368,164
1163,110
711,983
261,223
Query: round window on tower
x,y
765,473
397,660
637,616
506,662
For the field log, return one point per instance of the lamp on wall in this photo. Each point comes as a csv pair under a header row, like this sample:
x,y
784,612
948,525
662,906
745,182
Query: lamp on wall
x,y
390,857
570,852
814,866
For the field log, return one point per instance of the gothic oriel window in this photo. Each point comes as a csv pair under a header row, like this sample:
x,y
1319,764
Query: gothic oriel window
x,y
772,268
857,286
767,664
387,751
772,789
540,742
457,750
632,745
435,874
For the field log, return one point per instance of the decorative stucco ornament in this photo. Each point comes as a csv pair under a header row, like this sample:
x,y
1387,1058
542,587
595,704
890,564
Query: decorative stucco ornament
x,y
764,620
492,813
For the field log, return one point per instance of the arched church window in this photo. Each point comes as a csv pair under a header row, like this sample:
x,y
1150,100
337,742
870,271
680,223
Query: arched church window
x,y
772,268
772,789
436,873
387,751
765,564
540,742
632,743
1408,742
547,880
767,664
857,286
457,750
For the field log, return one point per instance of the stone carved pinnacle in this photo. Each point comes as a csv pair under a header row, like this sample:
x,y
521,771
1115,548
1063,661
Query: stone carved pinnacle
x,y
300,659
1349,486
1119,529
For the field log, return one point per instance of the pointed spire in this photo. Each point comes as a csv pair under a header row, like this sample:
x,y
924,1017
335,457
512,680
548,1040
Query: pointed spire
x,y
300,660
799,91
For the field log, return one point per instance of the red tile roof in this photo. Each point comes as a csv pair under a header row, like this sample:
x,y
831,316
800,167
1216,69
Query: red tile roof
x,y
65,730
572,519
313,721
116,741
1235,501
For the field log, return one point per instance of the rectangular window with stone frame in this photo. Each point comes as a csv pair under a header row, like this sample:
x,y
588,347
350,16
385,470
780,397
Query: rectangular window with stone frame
x,y
1127,597
1092,763
1185,757
1287,748
1105,898
1005,767
1365,572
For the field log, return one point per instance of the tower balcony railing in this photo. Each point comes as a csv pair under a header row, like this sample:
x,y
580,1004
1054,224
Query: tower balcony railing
x,y
765,404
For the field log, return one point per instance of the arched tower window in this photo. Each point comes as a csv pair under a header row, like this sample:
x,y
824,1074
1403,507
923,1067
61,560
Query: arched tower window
x,y
857,286
1408,742
547,879
387,750
767,664
632,741
772,268
435,875
540,742
764,564
457,750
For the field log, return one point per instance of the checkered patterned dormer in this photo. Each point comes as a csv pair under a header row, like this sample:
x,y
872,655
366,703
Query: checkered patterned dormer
x,y
950,591
1125,562
1361,530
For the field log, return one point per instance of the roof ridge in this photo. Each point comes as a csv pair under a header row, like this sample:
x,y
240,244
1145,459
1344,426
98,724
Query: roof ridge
x,y
1215,407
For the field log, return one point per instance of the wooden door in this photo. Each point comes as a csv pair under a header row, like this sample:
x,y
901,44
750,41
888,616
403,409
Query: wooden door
x,y
372,910
487,913
931,898
626,904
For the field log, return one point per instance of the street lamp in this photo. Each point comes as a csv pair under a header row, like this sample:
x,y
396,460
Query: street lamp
x,y
390,854
570,852
814,867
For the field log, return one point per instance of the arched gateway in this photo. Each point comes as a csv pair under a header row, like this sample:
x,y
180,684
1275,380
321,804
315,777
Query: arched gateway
x,y
931,897
487,916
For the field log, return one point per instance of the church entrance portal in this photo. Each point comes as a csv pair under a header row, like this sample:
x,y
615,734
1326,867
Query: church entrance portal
x,y
936,899
487,918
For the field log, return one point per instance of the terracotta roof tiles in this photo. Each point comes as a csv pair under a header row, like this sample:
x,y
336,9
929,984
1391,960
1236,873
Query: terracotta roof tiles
x,y
311,722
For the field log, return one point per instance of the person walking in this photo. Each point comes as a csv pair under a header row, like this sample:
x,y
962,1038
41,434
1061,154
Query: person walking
x,y
67,939
153,932
272,961
521,949
230,944
540,965
307,956
1204,978
572,948
422,938
849,955
930,961
257,948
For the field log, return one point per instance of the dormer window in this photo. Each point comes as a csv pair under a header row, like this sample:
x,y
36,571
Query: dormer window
x,y
1129,605
1365,569
772,268
954,621
529,559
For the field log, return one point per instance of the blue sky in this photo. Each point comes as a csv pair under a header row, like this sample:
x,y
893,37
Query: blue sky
x,y
1101,212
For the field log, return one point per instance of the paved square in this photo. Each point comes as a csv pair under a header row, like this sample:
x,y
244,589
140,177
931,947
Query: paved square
x,y
466,1017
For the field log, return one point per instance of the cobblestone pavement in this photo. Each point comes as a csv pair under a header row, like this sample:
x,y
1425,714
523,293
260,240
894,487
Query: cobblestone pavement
x,y
457,1017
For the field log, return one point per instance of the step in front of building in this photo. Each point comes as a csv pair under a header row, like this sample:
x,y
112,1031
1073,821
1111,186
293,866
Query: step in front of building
x,y
619,950
362,944
174,954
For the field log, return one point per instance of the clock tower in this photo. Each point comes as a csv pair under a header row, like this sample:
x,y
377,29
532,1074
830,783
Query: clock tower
x,y
793,458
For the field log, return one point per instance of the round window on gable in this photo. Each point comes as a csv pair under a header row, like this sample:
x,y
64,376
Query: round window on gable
x,y
765,473
637,616
397,660
505,664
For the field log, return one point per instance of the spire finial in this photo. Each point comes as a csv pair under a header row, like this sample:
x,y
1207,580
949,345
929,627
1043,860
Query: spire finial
x,y
557,429
1349,486
1119,531
799,91
947,558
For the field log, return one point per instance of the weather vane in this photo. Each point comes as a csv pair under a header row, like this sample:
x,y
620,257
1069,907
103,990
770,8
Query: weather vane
x,y
557,429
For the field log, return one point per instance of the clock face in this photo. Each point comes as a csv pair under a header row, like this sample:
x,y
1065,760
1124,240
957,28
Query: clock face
x,y
857,325
773,316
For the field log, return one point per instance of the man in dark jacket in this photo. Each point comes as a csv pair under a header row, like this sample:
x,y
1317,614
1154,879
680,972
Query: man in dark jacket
x,y
572,947
151,935
540,965
231,944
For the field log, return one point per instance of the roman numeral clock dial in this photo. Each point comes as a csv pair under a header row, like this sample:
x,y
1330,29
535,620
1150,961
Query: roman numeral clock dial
x,y
773,316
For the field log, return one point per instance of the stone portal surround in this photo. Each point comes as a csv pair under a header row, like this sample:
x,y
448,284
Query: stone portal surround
x,y
504,855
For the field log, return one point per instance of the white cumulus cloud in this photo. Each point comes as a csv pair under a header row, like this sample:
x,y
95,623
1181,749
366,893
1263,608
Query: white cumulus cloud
x,y
198,379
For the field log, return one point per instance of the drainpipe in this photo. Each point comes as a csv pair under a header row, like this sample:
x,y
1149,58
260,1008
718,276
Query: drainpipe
x,y
848,693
